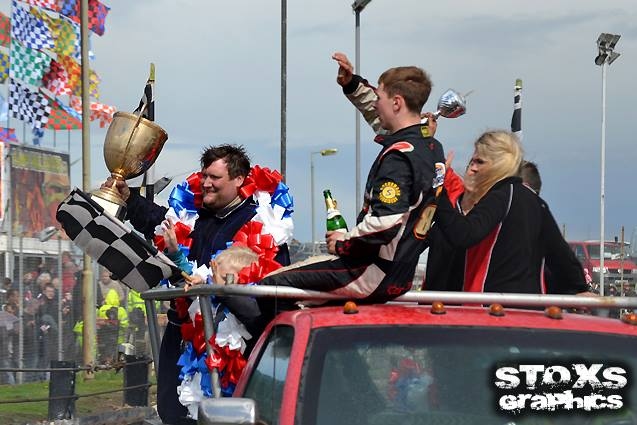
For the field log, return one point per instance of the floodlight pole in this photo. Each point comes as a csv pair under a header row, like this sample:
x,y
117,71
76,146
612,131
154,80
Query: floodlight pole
x,y
602,195
605,56
324,152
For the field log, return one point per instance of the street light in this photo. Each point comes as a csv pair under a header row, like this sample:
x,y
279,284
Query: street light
x,y
358,6
605,56
324,152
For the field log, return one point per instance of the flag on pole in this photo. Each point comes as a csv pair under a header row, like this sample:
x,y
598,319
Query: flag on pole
x,y
93,86
8,135
29,30
37,134
28,106
147,103
59,118
99,111
27,64
5,30
96,13
4,67
56,80
516,119
46,4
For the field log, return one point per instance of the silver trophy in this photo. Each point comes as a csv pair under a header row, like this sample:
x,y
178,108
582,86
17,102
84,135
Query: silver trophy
x,y
451,105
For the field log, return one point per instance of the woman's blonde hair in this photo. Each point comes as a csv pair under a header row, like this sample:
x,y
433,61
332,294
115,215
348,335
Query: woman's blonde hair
x,y
504,151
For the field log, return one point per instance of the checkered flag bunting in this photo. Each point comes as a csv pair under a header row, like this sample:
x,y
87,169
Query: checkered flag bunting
x,y
96,13
28,106
29,30
8,135
104,238
56,80
4,67
46,4
27,65
5,30
60,119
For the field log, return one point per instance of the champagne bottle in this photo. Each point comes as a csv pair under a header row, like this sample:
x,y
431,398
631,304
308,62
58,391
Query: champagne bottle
x,y
335,220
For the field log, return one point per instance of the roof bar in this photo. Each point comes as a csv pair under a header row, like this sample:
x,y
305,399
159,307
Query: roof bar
x,y
450,297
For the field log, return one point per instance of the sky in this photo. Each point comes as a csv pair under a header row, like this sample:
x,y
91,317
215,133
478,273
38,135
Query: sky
x,y
218,81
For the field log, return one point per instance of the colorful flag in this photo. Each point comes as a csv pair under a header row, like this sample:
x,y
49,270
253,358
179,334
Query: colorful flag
x,y
59,118
93,86
5,30
147,103
99,111
28,106
103,113
27,64
73,70
46,4
67,39
516,119
4,67
31,31
38,134
7,135
96,13
56,80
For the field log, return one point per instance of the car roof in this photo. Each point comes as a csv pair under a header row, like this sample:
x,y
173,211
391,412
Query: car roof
x,y
396,315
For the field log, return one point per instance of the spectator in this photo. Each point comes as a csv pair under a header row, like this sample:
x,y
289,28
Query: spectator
x,y
114,325
48,327
106,283
69,268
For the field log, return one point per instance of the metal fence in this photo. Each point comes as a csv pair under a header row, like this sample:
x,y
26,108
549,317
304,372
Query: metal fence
x,y
41,318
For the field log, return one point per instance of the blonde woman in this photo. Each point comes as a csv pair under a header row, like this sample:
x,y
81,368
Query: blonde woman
x,y
502,231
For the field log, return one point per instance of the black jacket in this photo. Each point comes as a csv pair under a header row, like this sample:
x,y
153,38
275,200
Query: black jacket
x,y
502,245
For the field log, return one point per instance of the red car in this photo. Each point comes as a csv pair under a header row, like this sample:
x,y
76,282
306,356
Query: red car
x,y
418,364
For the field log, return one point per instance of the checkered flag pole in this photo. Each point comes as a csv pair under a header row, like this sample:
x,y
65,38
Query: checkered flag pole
x,y
147,105
516,119
108,241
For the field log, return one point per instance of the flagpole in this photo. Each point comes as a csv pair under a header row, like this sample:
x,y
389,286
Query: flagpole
x,y
88,293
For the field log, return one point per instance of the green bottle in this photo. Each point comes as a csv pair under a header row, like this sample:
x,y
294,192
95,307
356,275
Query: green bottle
x,y
335,220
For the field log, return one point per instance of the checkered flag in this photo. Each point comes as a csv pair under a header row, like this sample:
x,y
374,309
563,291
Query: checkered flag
x,y
47,4
147,103
4,67
28,106
104,238
96,13
27,65
31,31
516,119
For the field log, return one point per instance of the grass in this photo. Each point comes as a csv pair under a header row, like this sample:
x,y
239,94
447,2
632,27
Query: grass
x,y
22,413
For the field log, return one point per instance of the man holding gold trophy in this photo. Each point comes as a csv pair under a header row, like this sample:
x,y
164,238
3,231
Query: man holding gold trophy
x,y
94,222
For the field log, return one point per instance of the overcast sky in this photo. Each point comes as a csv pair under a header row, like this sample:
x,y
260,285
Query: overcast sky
x,y
218,80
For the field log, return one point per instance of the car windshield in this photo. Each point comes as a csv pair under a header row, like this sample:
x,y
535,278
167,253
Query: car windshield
x,y
612,251
445,375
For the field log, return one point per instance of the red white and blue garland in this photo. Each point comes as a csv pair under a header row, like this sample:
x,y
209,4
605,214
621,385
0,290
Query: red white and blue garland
x,y
271,227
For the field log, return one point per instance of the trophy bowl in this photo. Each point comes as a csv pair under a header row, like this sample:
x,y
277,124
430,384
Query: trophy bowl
x,y
131,146
452,104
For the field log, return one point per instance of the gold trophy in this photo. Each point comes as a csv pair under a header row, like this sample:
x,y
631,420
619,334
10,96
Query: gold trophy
x,y
131,147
